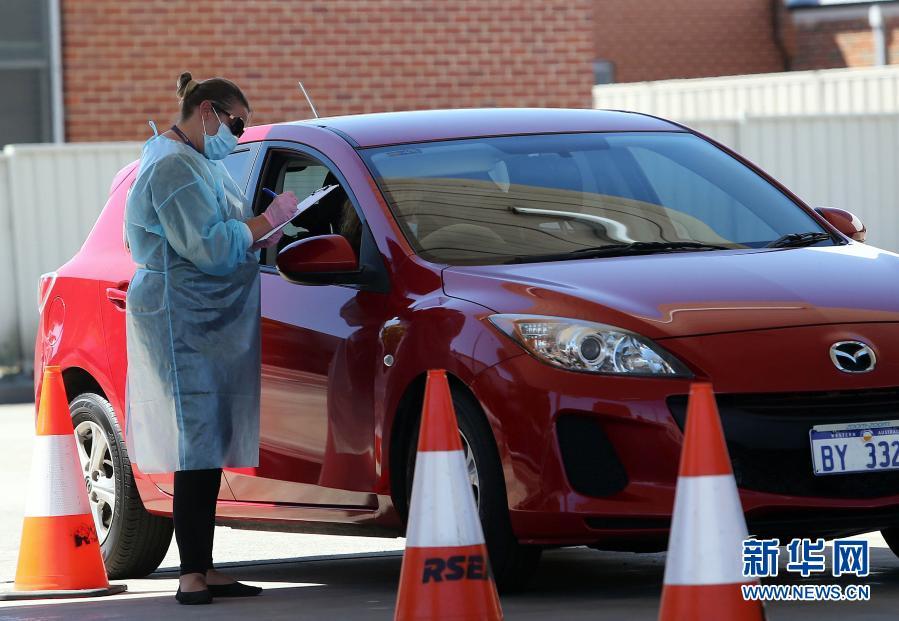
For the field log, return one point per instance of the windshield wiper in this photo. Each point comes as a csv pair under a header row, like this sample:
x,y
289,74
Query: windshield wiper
x,y
620,250
797,240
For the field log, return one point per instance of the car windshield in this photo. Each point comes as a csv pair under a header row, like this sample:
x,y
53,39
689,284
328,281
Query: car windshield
x,y
557,196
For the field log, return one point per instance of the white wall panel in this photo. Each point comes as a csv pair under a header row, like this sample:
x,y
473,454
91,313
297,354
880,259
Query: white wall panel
x,y
725,132
9,325
54,193
832,91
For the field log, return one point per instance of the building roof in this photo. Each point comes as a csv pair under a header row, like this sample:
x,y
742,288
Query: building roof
x,y
368,130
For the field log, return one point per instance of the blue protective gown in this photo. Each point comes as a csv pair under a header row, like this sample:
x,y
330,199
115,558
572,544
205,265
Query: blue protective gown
x,y
192,315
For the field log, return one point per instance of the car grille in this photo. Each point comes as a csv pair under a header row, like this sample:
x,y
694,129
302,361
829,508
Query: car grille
x,y
768,439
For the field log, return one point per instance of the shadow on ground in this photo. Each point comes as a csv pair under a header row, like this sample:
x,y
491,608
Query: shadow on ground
x,y
571,584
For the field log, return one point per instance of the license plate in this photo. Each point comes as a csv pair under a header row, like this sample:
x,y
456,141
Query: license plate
x,y
855,447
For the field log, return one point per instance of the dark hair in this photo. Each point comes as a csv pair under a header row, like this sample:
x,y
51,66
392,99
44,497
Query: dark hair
x,y
219,90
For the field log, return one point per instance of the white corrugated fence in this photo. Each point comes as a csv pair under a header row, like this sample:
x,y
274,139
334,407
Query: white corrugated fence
x,y
10,346
870,90
50,197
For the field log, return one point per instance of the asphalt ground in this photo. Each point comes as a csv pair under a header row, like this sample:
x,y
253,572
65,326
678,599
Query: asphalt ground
x,y
322,577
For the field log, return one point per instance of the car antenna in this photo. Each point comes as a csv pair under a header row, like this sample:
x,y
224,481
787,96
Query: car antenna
x,y
306,95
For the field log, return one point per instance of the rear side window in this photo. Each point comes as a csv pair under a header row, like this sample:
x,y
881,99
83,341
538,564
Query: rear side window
x,y
304,178
240,162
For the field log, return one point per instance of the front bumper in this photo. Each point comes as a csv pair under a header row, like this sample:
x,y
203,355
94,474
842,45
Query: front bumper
x,y
525,400
768,439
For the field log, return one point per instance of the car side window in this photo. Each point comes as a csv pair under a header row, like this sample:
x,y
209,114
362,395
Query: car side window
x,y
303,179
302,174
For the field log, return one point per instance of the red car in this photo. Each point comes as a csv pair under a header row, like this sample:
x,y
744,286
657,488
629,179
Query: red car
x,y
573,271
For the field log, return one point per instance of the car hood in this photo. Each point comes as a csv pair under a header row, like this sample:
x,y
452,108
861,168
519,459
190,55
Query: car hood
x,y
681,294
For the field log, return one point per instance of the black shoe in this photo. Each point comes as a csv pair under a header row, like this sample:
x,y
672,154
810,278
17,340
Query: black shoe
x,y
235,589
191,598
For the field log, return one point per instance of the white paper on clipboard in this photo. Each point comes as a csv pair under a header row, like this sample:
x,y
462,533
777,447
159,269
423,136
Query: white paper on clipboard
x,y
302,206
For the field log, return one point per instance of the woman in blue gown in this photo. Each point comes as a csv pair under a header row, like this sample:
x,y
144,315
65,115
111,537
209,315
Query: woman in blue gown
x,y
193,319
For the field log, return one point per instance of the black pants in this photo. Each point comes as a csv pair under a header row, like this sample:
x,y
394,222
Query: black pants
x,y
194,514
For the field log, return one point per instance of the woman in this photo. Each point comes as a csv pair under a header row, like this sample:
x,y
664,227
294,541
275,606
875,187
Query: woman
x,y
193,319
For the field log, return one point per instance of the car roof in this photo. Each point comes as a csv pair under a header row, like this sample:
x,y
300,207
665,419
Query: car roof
x,y
386,128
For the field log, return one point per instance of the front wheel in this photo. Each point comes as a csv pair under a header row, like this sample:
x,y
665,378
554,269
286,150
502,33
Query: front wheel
x,y
133,541
513,564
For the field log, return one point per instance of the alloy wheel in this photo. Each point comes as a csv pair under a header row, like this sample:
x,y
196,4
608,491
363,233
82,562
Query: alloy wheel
x,y
99,474
471,465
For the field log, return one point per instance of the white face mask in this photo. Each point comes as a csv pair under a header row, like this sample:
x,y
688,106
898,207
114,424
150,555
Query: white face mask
x,y
220,144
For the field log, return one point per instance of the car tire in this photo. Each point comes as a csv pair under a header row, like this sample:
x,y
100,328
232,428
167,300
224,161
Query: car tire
x,y
512,563
133,541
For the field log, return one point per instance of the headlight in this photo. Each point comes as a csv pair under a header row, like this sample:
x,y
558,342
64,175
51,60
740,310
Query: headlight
x,y
585,346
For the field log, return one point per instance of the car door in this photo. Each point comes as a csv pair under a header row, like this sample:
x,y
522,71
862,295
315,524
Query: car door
x,y
318,356
119,268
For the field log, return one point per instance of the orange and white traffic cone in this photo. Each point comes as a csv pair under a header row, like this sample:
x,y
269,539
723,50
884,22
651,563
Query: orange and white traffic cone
x,y
704,570
446,572
59,555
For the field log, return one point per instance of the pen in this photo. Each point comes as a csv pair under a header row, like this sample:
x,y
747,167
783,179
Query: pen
x,y
271,193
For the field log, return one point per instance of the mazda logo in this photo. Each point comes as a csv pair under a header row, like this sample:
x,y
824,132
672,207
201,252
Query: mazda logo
x,y
853,357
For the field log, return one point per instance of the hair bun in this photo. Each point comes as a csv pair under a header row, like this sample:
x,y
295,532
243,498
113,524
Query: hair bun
x,y
186,84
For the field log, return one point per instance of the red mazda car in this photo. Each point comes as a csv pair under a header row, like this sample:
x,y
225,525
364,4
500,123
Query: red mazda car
x,y
573,271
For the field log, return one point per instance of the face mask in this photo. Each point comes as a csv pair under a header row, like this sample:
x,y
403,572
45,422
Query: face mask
x,y
219,145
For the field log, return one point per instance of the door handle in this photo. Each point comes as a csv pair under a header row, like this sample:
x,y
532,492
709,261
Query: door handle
x,y
117,295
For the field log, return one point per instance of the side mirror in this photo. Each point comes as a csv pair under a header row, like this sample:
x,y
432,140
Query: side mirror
x,y
845,222
317,260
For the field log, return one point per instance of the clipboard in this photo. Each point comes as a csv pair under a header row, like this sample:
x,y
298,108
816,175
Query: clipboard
x,y
302,206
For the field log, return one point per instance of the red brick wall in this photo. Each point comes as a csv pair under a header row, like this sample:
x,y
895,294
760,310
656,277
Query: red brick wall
x,y
121,58
654,40
828,43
